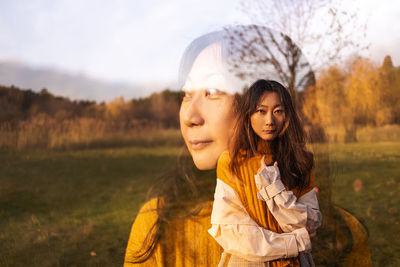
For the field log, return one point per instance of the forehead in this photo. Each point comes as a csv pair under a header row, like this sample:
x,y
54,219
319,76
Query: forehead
x,y
270,99
210,70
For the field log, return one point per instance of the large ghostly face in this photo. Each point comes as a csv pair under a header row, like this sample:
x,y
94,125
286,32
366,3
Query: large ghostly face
x,y
207,113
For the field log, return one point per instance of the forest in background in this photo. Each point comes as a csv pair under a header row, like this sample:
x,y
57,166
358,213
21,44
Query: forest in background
x,y
346,102
356,103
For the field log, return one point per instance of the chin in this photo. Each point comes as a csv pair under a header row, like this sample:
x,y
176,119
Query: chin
x,y
268,138
204,163
204,166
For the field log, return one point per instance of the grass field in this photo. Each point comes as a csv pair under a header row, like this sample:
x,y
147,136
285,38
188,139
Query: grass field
x,y
75,208
366,179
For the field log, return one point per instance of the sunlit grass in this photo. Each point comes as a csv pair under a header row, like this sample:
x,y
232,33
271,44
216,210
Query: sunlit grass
x,y
76,207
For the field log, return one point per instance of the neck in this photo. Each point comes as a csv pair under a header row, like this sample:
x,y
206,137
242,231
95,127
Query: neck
x,y
264,147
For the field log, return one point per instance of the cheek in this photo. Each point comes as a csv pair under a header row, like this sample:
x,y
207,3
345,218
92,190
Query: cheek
x,y
181,115
182,124
181,119
282,120
224,122
257,122
281,124
253,121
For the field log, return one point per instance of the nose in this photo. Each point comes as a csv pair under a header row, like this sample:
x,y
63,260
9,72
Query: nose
x,y
192,113
269,119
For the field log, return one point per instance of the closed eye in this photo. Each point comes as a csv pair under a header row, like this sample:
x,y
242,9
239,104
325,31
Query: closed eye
x,y
213,93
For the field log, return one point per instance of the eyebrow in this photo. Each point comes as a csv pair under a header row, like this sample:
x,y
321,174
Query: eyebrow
x,y
278,105
205,89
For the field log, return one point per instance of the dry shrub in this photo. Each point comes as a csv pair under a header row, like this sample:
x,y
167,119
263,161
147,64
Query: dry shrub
x,y
339,134
379,134
45,132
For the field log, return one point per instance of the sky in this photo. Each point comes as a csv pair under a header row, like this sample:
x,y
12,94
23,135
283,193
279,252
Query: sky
x,y
141,41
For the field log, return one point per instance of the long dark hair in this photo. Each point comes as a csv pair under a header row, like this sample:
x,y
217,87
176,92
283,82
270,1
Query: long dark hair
x,y
181,193
288,148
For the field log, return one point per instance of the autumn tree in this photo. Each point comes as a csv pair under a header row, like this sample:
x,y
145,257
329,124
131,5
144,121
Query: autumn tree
x,y
363,94
326,104
389,86
322,29
117,112
141,109
165,108
261,52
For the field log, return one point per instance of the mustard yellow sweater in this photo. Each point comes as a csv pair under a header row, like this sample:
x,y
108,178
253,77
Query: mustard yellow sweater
x,y
185,242
247,191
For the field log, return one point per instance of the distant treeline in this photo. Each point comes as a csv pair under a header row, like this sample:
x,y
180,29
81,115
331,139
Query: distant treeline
x,y
159,109
41,120
346,105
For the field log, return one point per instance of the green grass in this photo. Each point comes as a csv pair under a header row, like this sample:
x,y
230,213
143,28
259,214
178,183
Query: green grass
x,y
56,208
59,207
377,204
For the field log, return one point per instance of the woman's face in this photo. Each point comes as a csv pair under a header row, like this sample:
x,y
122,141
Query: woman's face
x,y
268,119
207,119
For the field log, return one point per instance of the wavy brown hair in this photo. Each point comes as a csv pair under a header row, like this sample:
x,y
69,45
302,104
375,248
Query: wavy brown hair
x,y
288,148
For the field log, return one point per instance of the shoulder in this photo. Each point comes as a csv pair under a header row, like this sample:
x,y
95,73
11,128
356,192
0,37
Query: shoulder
x,y
224,158
146,217
149,210
223,166
143,226
224,172
243,161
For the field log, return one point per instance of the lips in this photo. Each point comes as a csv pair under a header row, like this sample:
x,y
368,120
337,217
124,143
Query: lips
x,y
197,144
269,131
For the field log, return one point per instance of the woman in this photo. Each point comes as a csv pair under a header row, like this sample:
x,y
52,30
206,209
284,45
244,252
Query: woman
x,y
206,115
254,205
171,228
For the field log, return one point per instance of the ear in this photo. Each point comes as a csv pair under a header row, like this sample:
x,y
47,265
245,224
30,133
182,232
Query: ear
x,y
284,128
